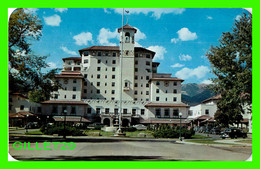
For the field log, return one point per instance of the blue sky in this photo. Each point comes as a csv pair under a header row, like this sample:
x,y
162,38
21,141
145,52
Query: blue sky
x,y
180,37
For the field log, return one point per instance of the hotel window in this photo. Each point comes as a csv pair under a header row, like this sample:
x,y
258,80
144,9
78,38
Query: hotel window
x,y
113,76
85,53
174,83
114,54
98,83
158,113
56,96
175,99
105,76
107,111
113,61
174,90
157,83
113,84
98,76
136,62
97,110
176,112
113,69
166,91
85,90
112,98
157,98
135,91
98,68
136,84
124,111
74,88
99,54
22,107
167,112
136,77
106,54
85,75
166,99
98,61
147,84
134,112
105,84
73,110
148,56
142,111
147,78
136,69
86,61
89,110
74,96
98,91
113,92
116,111
157,91
74,80
148,63
207,111
147,92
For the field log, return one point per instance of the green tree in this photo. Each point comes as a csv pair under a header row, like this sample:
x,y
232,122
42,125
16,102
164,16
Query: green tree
x,y
25,67
231,62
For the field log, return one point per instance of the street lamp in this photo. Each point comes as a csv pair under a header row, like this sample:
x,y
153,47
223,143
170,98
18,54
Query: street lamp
x,y
26,125
207,128
180,114
64,131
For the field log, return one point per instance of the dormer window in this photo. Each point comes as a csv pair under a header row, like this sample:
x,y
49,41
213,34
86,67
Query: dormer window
x,y
127,37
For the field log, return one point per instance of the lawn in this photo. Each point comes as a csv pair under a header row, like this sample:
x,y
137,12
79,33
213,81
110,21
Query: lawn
x,y
34,133
199,137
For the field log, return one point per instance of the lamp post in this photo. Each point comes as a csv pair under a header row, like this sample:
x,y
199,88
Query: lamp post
x,y
180,114
64,130
207,128
26,125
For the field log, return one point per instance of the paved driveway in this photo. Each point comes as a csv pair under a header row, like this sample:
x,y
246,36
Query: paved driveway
x,y
135,151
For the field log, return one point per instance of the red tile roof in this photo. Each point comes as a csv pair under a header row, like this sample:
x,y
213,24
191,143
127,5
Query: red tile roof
x,y
64,102
72,58
115,48
217,97
71,119
166,79
127,27
66,74
166,105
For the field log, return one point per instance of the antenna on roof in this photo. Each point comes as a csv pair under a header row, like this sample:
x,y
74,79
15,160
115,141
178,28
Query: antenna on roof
x,y
127,16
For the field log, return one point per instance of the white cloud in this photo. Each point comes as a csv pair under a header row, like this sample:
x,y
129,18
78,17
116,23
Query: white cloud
x,y
160,51
66,50
199,72
184,35
61,10
83,38
156,12
106,10
54,20
30,10
238,17
183,57
209,17
177,65
52,65
105,35
138,44
207,81
139,35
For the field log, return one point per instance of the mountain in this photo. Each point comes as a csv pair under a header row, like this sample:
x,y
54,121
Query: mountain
x,y
193,93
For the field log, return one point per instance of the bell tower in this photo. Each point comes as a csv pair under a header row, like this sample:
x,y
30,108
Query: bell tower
x,y
126,47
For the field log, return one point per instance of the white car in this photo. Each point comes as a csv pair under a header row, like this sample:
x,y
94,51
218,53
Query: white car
x,y
140,127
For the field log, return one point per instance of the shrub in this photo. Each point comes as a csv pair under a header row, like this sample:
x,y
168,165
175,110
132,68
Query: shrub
x,y
70,131
172,132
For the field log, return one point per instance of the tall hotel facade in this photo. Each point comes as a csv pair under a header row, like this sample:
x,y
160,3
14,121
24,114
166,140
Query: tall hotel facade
x,y
91,86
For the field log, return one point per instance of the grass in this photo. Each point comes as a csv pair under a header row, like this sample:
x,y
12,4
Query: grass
x,y
34,133
245,141
204,141
199,137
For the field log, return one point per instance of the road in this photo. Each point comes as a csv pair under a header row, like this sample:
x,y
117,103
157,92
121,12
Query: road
x,y
134,151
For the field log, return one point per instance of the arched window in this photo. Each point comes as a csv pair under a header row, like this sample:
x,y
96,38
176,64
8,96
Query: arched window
x,y
127,37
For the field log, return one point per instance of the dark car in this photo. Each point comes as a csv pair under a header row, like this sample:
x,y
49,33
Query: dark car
x,y
233,133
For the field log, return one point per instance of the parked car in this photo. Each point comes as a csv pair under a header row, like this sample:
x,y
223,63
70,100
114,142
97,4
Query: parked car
x,y
215,130
233,133
31,125
140,127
